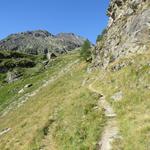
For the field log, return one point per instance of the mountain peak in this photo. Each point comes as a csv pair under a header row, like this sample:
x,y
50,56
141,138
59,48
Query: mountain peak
x,y
35,42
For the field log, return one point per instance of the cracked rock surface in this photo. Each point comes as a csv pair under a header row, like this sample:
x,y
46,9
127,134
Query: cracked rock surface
x,y
128,31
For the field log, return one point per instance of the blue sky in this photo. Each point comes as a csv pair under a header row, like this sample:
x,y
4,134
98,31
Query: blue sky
x,y
83,17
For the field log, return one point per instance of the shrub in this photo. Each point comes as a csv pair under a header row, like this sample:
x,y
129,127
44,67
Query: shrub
x,y
9,63
27,63
85,52
100,37
4,54
14,54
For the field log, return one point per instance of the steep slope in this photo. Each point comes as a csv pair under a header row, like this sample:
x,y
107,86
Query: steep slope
x,y
41,42
67,108
127,90
123,59
127,32
62,115
59,112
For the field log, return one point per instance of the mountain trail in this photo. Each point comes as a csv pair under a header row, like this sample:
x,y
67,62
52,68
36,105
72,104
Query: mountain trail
x,y
111,130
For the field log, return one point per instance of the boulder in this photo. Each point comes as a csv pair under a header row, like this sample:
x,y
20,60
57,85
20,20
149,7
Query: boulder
x,y
117,96
28,85
13,76
21,91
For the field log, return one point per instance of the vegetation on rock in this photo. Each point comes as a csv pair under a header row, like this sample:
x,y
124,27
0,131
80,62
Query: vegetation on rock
x,y
100,36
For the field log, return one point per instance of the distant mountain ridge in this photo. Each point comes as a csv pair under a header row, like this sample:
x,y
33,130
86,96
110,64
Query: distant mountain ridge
x,y
41,41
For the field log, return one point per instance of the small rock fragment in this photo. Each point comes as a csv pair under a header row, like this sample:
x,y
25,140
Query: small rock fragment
x,y
28,85
117,96
21,91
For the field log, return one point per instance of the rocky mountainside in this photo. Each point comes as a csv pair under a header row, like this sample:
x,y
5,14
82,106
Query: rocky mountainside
x,y
128,31
40,42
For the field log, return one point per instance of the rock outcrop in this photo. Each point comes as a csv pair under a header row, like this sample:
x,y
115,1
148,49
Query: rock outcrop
x,y
41,42
128,31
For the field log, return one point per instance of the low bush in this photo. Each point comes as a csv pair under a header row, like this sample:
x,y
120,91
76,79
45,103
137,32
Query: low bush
x,y
10,63
26,63
100,36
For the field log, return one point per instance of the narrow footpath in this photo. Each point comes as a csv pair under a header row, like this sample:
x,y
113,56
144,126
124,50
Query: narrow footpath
x,y
111,130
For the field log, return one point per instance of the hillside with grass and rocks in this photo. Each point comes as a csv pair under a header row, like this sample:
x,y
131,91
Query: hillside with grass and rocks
x,y
83,97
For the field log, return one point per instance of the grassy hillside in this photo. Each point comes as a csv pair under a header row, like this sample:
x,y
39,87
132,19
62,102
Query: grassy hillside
x,y
19,64
133,103
36,76
65,115
62,115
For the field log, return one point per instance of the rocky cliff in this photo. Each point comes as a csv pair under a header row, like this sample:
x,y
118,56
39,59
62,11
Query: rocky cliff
x,y
40,41
128,31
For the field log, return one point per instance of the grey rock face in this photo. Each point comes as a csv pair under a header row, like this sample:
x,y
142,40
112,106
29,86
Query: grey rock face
x,y
128,31
41,42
